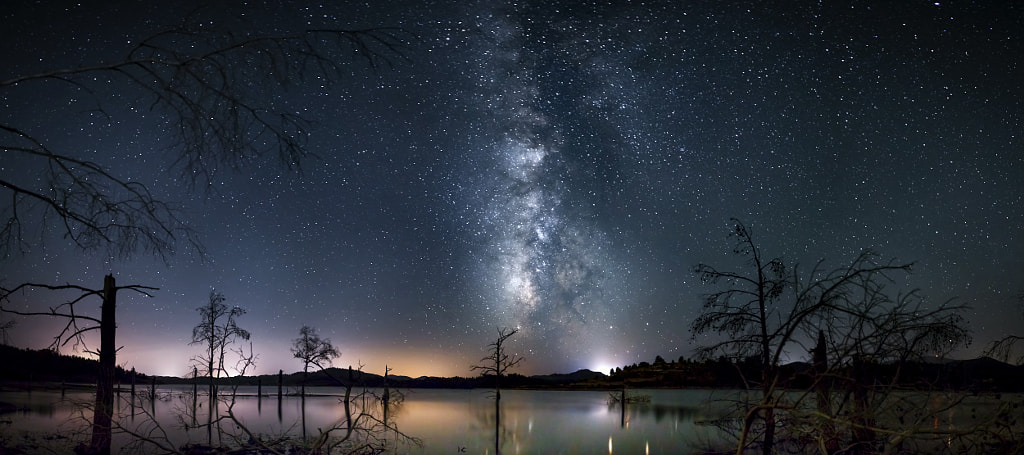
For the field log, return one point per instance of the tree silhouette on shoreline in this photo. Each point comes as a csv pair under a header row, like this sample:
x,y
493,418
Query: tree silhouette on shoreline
x,y
217,330
497,363
199,80
312,350
76,325
770,309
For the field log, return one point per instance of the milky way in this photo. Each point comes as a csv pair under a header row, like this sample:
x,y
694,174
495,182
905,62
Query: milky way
x,y
548,272
556,167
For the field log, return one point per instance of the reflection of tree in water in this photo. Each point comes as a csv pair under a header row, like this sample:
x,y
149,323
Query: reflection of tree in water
x,y
663,411
392,403
629,404
489,420
497,363
366,421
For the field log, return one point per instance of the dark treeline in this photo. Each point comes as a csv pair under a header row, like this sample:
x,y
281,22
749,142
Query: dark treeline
x,y
982,374
22,365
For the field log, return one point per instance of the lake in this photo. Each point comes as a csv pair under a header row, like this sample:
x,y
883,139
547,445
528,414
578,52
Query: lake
x,y
445,421
465,421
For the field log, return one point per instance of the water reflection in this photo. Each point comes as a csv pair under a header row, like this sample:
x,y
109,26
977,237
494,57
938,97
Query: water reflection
x,y
447,421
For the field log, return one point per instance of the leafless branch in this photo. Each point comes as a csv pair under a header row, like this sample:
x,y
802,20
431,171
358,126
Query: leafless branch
x,y
197,79
72,330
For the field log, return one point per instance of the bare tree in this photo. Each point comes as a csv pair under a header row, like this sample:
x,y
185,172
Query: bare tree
x,y
312,350
773,310
361,428
202,82
871,338
497,363
743,312
216,332
78,324
199,81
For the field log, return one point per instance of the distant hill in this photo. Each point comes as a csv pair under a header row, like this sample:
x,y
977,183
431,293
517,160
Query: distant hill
x,y
578,376
22,365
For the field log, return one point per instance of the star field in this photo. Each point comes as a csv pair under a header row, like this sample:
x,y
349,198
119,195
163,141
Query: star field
x,y
554,167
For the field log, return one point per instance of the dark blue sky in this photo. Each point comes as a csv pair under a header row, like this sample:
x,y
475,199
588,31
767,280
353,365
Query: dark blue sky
x,y
549,166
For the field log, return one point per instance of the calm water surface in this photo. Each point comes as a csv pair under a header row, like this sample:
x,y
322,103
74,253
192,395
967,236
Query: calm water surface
x,y
447,421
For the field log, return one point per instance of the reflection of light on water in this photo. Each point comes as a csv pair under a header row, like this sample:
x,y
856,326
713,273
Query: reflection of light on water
x,y
938,402
532,421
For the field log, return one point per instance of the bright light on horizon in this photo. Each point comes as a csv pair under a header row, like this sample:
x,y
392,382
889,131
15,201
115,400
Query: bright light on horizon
x,y
602,364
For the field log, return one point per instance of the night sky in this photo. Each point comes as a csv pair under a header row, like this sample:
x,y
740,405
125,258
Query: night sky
x,y
550,166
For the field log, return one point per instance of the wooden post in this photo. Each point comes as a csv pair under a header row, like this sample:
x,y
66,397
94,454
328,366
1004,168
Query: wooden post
x,y
387,392
302,400
152,395
104,408
622,401
133,386
195,393
280,377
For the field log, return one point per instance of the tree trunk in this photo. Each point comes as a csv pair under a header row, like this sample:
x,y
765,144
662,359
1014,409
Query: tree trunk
x,y
212,400
195,394
280,379
863,417
768,401
823,392
622,401
769,428
497,422
498,406
767,366
104,408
